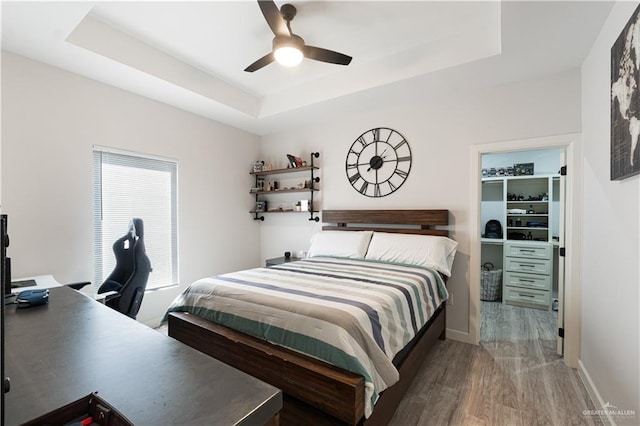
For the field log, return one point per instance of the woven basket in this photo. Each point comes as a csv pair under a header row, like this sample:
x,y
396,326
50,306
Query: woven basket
x,y
490,283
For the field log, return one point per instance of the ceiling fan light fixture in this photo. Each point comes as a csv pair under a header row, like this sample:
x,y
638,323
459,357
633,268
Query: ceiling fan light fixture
x,y
288,56
289,49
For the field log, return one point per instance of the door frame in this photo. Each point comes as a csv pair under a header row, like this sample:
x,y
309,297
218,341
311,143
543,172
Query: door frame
x,y
573,231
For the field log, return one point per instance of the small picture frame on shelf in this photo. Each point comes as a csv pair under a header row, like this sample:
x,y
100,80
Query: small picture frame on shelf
x,y
523,169
258,166
261,206
295,161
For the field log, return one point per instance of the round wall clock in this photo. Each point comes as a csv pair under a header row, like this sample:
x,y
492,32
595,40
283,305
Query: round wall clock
x,y
378,162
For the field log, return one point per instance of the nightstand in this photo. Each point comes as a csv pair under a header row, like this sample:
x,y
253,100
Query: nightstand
x,y
278,260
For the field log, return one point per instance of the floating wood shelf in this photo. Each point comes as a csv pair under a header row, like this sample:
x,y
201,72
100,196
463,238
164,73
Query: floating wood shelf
x,y
311,189
281,171
283,191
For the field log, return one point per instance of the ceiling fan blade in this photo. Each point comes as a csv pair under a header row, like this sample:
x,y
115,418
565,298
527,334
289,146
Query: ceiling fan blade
x,y
274,18
324,55
262,62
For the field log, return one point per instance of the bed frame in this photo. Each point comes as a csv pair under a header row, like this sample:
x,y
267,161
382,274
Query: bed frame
x,y
316,392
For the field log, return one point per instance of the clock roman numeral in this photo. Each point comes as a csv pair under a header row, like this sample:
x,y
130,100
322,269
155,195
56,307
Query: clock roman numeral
x,y
362,141
402,142
392,187
389,137
376,190
352,166
376,134
353,179
401,173
404,159
363,188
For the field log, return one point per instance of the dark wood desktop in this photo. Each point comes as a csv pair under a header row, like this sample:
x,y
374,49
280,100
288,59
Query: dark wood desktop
x,y
63,351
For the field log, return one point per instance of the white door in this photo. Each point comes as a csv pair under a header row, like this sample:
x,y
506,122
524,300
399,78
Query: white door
x,y
561,249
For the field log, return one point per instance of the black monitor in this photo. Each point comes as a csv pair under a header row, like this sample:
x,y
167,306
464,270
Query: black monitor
x,y
5,278
5,262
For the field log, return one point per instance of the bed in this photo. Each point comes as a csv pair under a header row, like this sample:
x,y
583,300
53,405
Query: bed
x,y
322,381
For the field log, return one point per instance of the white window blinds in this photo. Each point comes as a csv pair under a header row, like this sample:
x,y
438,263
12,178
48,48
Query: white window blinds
x,y
129,185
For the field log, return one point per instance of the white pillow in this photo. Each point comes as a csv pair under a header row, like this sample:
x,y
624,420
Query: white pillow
x,y
420,250
352,244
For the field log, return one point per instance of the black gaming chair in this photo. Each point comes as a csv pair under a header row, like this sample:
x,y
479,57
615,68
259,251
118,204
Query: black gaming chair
x,y
129,278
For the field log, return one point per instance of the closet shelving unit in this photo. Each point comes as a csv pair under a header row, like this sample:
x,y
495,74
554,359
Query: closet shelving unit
x,y
528,209
537,195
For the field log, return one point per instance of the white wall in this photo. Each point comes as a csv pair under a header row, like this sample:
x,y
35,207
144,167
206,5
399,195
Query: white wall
x,y
440,130
52,118
611,241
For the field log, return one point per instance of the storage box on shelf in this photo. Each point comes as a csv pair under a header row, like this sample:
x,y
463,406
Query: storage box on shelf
x,y
261,194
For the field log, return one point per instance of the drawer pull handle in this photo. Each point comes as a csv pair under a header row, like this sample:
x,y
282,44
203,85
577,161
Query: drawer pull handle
x,y
525,295
526,281
527,251
524,265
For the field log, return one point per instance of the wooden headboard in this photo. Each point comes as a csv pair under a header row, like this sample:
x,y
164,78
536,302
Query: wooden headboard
x,y
422,222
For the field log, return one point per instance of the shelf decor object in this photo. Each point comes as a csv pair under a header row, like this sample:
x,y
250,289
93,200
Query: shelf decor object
x,y
263,189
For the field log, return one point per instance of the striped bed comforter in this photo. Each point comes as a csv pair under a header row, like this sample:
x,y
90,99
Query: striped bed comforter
x,y
355,314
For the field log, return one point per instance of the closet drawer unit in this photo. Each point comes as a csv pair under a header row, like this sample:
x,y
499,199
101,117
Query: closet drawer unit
x,y
537,282
528,271
533,266
527,297
531,250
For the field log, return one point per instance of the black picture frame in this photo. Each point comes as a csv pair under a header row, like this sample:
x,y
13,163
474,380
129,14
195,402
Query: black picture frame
x,y
523,169
625,101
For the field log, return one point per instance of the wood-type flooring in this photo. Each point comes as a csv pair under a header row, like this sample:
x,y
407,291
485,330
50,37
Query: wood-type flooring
x,y
514,377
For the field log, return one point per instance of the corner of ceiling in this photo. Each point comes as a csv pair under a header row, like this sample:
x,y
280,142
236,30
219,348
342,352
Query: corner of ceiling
x,y
100,38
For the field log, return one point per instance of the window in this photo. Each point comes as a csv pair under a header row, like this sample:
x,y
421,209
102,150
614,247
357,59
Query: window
x,y
128,185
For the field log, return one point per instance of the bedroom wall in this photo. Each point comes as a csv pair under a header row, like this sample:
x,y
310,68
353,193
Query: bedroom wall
x,y
50,121
440,128
611,241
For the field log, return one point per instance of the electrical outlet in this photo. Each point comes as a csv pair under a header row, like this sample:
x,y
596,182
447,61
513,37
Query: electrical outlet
x,y
450,299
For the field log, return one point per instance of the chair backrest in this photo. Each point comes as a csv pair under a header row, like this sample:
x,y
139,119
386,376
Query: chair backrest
x,y
131,273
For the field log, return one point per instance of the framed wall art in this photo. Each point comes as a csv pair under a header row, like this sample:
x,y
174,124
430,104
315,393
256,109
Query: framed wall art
x,y
625,101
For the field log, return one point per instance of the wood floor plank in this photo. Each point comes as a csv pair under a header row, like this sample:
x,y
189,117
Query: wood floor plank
x,y
514,377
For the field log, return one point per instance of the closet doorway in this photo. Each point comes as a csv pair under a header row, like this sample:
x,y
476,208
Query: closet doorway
x,y
482,250
522,225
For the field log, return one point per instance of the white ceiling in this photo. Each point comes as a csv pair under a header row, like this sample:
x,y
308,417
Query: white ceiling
x,y
192,54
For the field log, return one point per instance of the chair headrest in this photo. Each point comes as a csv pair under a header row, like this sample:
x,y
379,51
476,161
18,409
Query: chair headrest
x,y
136,228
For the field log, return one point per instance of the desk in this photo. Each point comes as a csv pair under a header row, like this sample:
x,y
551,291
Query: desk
x,y
42,281
63,351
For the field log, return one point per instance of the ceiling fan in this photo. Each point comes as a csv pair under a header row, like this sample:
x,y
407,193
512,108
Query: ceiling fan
x,y
288,48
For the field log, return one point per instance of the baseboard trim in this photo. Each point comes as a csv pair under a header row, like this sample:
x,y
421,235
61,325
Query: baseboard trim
x,y
459,336
595,396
